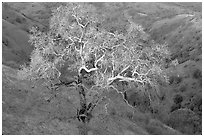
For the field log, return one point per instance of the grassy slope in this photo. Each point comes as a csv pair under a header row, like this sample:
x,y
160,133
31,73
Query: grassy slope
x,y
15,28
178,24
164,21
26,110
15,44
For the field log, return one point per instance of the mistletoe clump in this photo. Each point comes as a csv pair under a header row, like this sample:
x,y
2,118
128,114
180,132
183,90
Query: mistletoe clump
x,y
101,58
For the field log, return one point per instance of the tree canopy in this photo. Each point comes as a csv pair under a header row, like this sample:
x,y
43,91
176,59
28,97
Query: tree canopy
x,y
77,38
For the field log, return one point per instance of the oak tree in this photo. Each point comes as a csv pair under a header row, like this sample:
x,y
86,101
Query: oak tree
x,y
102,60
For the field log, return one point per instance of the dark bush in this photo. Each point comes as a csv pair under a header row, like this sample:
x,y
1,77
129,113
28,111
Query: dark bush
x,y
178,98
18,20
140,101
197,74
171,80
195,104
175,80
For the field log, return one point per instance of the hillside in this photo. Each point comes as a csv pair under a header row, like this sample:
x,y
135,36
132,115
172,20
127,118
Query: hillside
x,y
14,44
178,24
28,109
15,30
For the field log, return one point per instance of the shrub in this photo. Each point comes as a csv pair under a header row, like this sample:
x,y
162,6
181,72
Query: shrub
x,y
18,20
195,104
175,80
178,80
178,98
197,74
140,101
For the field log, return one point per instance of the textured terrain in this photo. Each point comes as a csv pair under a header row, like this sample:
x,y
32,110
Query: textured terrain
x,y
28,110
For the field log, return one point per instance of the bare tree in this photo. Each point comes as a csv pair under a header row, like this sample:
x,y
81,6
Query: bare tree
x,y
102,59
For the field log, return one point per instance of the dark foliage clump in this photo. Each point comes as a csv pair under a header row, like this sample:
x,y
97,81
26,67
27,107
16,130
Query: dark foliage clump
x,y
177,102
175,80
197,74
195,104
140,101
178,99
